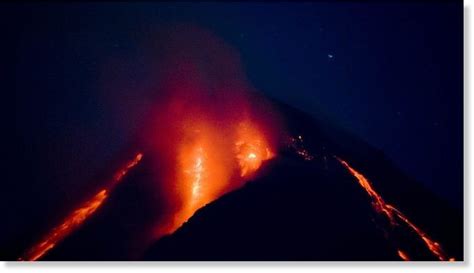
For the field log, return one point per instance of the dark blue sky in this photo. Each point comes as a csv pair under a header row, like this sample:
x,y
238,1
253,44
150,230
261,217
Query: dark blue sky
x,y
389,72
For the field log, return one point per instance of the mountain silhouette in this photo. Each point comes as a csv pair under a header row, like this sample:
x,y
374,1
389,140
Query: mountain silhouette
x,y
292,210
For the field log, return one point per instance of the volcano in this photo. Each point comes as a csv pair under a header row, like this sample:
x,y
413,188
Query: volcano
x,y
301,205
217,170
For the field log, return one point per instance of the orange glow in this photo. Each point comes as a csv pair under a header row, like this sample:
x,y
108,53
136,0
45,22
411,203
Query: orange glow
x,y
196,182
393,214
74,220
403,255
211,161
251,148
208,131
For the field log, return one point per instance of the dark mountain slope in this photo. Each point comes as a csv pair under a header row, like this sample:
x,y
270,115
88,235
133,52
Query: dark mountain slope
x,y
325,139
294,212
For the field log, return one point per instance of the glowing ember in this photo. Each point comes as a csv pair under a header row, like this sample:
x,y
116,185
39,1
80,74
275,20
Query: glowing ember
x,y
403,255
297,145
393,214
77,217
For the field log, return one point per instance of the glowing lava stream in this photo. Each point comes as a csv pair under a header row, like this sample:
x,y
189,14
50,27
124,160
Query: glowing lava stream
x,y
393,214
74,220
403,255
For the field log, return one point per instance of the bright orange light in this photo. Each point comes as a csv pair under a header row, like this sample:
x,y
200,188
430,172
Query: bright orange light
x,y
207,162
202,173
251,148
74,220
403,255
122,172
194,173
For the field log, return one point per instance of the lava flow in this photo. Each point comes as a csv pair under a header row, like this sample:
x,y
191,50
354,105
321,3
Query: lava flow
x,y
377,201
393,214
403,255
74,220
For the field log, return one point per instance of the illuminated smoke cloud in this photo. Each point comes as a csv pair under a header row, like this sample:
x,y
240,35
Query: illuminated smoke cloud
x,y
208,131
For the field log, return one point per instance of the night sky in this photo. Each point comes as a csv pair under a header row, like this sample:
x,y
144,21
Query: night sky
x,y
391,73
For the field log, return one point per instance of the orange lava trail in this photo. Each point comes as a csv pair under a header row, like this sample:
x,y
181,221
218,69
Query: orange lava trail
x,y
74,220
403,255
433,246
394,214
379,204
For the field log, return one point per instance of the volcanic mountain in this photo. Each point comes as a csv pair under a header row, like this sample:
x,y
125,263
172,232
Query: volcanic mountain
x,y
308,206
325,196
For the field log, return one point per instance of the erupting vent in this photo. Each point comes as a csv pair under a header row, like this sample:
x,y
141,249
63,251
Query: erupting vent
x,y
207,167
251,149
